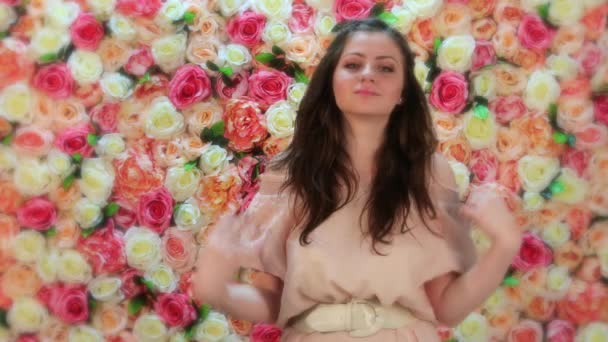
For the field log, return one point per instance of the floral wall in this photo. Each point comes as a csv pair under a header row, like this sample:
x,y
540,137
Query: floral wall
x,y
129,126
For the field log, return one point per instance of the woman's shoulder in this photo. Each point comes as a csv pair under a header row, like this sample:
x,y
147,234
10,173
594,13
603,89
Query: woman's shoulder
x,y
273,177
442,173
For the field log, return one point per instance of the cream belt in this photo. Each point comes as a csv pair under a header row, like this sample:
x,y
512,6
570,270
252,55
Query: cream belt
x,y
360,318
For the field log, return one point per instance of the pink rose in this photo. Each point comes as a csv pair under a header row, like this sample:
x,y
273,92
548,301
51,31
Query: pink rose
x,y
140,61
175,309
55,80
240,86
533,33
104,249
32,141
69,302
27,338
449,92
250,187
600,109
590,57
560,330
86,32
268,86
155,209
590,136
526,331
533,253
190,84
179,249
10,2
484,166
138,8
483,54
37,213
74,140
302,18
246,28
130,286
576,160
105,116
352,9
245,125
507,108
265,333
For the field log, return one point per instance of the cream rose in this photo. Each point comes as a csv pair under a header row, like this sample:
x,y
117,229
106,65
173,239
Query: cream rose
x,y
59,163
405,18
26,315
48,40
424,8
182,183
102,8
16,103
480,133
214,328
575,188
72,267
121,27
87,213
592,332
8,159
171,10
455,53
532,5
275,9
110,145
484,84
61,14
496,301
421,71
214,159
324,24
536,172
169,52
143,248
462,176
188,216
96,181
533,201
86,66
116,85
562,66
106,289
556,234
542,89
7,17
163,121
295,93
29,246
149,327
163,278
46,267
474,328
84,333
231,7
32,177
565,12
280,119
558,281
276,32
321,5
235,55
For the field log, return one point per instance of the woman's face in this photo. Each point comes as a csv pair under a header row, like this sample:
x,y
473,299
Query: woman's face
x,y
368,79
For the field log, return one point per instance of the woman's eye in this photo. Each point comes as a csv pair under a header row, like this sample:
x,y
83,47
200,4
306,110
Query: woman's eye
x,y
387,69
351,65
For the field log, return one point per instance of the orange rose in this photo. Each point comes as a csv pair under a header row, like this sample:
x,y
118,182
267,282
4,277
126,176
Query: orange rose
x,y
529,59
502,320
8,229
89,94
508,176
590,270
578,218
454,19
505,41
114,53
135,175
423,33
568,39
274,145
533,282
516,296
202,115
569,255
32,141
67,113
67,232
5,127
217,193
537,128
508,12
456,149
510,144
10,198
25,26
551,211
110,319
540,309
240,326
595,21
446,126
481,8
20,280
483,29
191,146
65,199
583,302
167,153
14,64
509,79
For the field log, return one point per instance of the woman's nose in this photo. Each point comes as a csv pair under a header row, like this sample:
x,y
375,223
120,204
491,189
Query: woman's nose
x,y
367,73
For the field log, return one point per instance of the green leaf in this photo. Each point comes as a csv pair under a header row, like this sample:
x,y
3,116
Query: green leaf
x,y
48,57
92,303
227,71
87,232
190,165
67,182
227,81
136,304
189,17
301,77
203,312
256,171
220,141
389,18
546,194
553,116
145,78
111,209
3,320
556,187
77,157
3,34
218,128
481,112
212,66
510,281
176,207
560,137
377,9
149,285
571,140
436,44
481,100
451,340
51,232
92,139
6,141
277,50
264,57
543,11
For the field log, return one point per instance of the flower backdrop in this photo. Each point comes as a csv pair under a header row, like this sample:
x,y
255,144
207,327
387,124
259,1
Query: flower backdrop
x,y
129,126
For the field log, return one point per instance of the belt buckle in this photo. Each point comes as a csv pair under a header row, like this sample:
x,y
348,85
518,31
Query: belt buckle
x,y
364,312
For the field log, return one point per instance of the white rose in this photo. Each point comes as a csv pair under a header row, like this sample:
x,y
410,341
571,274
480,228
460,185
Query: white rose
x,y
87,213
537,172
171,10
214,328
562,66
49,40
236,56
7,17
405,18
86,67
481,133
26,315
324,24
96,180
162,277
121,27
15,103
106,289
61,14
593,332
169,52
602,255
84,333
32,177
542,89
72,267
149,328
182,183
474,328
275,9
556,234
575,188
565,12
295,93
102,8
142,247
213,160
424,8
110,145
321,5
462,175
163,121
533,201
496,301
455,53
484,84
231,7
46,267
280,119
8,159
421,71
28,246
558,281
188,216
276,32
593,3
116,85
59,163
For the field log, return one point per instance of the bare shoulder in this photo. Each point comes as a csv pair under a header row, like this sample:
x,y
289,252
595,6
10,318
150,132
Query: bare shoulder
x,y
441,172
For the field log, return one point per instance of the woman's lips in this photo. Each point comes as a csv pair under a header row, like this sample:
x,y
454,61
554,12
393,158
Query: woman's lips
x,y
366,92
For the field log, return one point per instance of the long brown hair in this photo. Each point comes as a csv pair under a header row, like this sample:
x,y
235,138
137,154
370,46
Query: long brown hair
x,y
317,162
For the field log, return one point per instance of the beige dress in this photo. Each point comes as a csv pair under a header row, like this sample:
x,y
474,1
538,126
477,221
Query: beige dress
x,y
338,265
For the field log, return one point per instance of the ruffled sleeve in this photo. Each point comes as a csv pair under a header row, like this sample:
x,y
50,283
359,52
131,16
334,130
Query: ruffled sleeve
x,y
256,237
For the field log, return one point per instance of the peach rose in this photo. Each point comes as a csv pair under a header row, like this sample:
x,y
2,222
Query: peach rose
x,y
505,41
20,281
32,141
590,270
446,126
526,331
88,94
179,250
10,197
508,12
483,29
591,136
508,177
540,308
456,149
569,255
423,33
135,174
568,39
67,232
274,145
67,113
595,21
481,8
574,112
14,63
510,144
114,53
578,218
502,320
245,126
241,327
8,230
302,49
202,48
110,319
217,194
202,115
529,59
510,80
583,302
65,199
454,19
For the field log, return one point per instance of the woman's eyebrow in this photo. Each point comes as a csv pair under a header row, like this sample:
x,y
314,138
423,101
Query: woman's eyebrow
x,y
378,57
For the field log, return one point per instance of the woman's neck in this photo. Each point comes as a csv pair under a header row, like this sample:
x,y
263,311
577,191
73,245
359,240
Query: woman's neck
x,y
364,135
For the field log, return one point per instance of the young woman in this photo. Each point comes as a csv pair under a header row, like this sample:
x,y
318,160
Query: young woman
x,y
359,218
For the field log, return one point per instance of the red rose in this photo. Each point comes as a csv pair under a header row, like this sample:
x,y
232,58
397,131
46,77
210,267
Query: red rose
x,y
483,54
533,33
302,17
507,108
104,249
74,140
560,331
190,84
105,115
37,213
175,309
130,286
590,57
352,9
268,86
69,303
600,109
55,80
247,28
86,32
449,92
245,124
484,165
140,61
577,160
239,87
155,209
27,338
265,333
138,8
532,254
